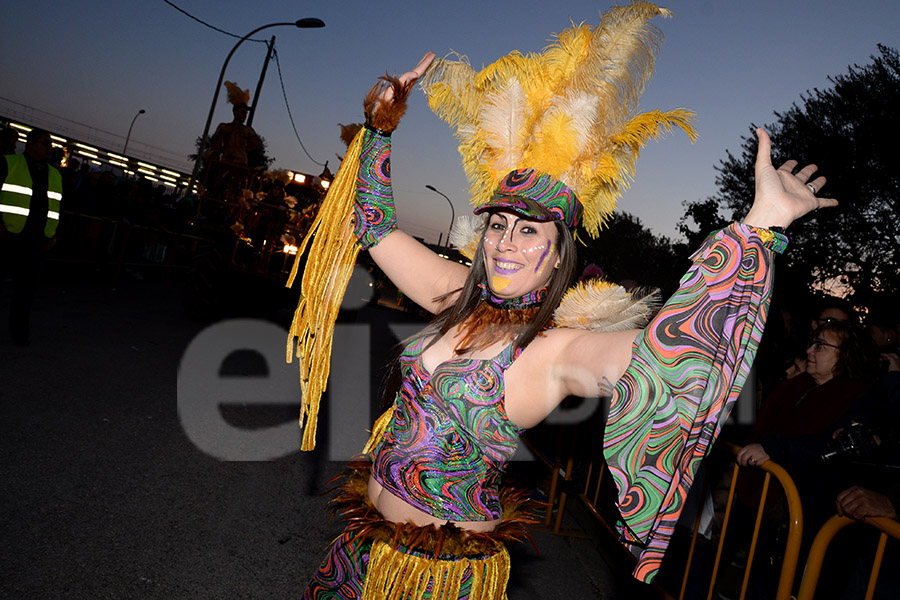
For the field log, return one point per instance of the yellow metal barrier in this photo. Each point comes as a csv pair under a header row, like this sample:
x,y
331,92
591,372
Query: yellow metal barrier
x,y
586,479
795,529
823,539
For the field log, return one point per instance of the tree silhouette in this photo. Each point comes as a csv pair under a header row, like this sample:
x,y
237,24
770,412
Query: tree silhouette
x,y
851,132
626,249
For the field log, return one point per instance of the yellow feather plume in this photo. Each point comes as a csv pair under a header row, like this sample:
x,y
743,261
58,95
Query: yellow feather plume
x,y
235,94
568,111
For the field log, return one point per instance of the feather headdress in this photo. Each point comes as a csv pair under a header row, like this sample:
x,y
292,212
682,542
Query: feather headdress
x,y
236,95
567,112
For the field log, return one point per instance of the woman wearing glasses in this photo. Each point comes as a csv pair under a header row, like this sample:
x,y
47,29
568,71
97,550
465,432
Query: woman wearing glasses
x,y
838,372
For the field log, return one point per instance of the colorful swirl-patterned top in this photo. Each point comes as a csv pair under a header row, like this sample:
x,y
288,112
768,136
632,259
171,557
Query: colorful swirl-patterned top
x,y
449,438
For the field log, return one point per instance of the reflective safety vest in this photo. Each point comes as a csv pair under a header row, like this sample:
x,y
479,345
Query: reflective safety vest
x,y
15,196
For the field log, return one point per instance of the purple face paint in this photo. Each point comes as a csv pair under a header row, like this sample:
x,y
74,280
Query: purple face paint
x,y
540,266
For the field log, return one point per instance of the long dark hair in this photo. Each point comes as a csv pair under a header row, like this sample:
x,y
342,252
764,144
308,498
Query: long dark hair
x,y
469,298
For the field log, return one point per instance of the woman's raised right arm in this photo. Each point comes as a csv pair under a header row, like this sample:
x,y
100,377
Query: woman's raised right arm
x,y
417,271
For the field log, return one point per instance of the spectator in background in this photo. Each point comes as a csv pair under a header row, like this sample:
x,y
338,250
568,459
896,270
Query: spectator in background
x,y
839,371
85,198
30,200
832,308
796,422
869,487
8,140
71,177
882,327
105,195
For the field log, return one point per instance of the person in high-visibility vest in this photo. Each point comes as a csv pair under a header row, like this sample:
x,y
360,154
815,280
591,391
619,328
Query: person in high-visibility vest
x,y
30,201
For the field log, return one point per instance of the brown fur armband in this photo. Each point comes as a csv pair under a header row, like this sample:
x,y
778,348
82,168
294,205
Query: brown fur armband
x,y
386,116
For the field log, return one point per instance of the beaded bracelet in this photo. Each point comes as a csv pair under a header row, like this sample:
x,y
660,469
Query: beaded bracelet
x,y
772,238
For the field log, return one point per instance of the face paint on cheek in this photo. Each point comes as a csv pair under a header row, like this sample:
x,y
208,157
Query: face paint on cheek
x,y
498,284
543,262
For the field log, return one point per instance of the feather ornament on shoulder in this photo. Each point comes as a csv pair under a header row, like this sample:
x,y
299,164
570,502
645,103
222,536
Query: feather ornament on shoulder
x,y
598,305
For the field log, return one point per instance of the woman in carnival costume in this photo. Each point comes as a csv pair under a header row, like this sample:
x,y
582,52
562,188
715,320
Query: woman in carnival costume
x,y
549,142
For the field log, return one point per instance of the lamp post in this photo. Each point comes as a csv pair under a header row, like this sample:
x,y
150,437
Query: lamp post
x,y
307,23
452,212
128,137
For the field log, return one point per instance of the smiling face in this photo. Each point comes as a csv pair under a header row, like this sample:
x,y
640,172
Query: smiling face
x,y
519,255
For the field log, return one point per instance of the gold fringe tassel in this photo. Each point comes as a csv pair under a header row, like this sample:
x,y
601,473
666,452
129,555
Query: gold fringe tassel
x,y
378,429
332,254
395,575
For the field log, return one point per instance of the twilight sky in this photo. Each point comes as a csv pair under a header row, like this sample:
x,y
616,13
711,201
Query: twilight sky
x,y
97,62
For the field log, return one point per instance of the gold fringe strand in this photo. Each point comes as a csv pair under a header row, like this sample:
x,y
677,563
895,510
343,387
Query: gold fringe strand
x,y
394,575
332,254
378,429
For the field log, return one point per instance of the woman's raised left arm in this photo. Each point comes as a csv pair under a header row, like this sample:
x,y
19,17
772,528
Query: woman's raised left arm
x,y
690,363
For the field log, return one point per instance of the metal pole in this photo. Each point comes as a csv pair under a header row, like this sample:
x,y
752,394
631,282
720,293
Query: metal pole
x,y
128,137
452,213
302,23
262,76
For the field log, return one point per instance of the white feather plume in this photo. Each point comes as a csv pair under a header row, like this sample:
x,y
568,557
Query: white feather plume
x,y
466,233
598,305
502,117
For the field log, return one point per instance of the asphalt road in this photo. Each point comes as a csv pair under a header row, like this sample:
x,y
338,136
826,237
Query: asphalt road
x,y
106,495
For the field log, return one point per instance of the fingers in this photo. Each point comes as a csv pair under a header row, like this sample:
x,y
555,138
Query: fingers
x,y
419,69
814,186
410,76
751,455
423,65
764,150
788,166
806,172
803,174
817,184
857,503
842,501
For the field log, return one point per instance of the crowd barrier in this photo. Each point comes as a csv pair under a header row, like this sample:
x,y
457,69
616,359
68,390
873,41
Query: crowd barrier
x,y
577,470
794,533
887,527
114,247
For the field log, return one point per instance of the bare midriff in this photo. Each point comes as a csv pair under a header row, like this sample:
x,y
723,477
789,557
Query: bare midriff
x,y
397,510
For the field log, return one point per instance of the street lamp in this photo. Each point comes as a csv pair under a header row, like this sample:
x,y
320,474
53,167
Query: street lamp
x,y
452,212
128,137
307,23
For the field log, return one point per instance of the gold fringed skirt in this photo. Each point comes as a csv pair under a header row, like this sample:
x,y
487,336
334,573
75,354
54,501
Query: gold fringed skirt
x,y
378,559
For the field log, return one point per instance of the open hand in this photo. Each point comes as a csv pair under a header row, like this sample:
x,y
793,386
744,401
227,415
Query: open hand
x,y
783,196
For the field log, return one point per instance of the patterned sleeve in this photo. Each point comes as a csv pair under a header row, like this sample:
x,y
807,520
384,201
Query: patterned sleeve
x,y
374,207
686,371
